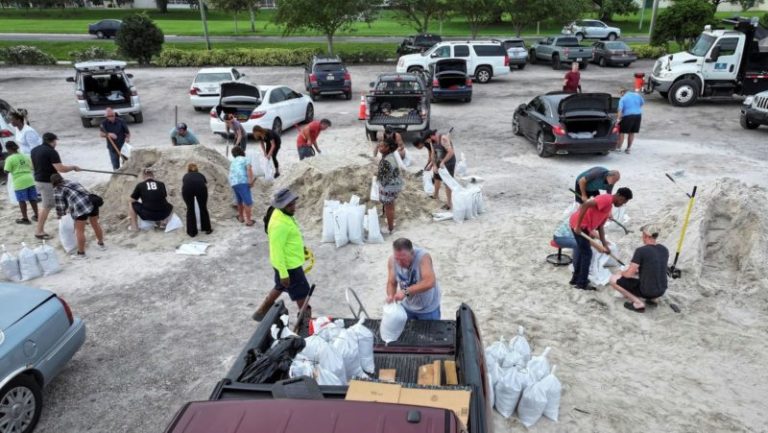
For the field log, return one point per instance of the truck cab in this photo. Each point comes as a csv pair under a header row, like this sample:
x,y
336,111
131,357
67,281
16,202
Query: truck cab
x,y
722,63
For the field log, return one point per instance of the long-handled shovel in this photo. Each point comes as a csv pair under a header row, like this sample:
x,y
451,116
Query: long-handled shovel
x,y
600,247
300,321
673,271
114,146
109,172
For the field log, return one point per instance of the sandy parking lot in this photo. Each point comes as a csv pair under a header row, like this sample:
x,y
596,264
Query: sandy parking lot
x,y
162,328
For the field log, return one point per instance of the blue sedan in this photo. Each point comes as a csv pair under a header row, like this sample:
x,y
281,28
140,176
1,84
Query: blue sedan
x,y
38,336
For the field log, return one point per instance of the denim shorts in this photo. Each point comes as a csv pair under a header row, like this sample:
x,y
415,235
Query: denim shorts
x,y
26,194
243,194
432,315
306,152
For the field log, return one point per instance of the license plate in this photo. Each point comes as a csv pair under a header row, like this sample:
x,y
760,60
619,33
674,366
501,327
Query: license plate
x,y
330,78
579,59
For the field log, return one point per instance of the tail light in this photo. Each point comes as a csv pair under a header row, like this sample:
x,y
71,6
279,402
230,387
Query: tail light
x,y
423,109
558,130
312,78
4,133
469,82
347,77
506,60
194,91
258,114
79,95
67,310
134,92
435,83
213,114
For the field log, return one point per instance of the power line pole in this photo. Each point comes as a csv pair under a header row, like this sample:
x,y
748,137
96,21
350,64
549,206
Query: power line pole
x,y
653,17
205,24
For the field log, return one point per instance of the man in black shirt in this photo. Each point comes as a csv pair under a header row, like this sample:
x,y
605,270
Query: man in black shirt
x,y
47,162
117,134
646,276
149,202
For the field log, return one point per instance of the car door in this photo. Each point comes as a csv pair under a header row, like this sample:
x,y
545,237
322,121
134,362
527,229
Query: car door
x,y
463,52
294,108
538,116
597,51
725,65
528,122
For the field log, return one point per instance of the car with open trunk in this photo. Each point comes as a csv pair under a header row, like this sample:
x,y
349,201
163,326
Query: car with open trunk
x,y
102,84
400,101
450,80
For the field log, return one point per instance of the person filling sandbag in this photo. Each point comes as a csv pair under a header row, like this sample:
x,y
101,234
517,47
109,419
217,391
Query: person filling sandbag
x,y
149,201
72,198
646,276
412,281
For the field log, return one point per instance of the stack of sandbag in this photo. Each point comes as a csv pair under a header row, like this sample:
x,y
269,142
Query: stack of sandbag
x,y
522,383
10,265
345,223
468,202
29,263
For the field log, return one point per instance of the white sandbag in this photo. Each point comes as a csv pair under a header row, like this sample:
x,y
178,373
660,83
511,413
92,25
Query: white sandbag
x,y
319,352
354,200
28,264
365,341
374,189
174,223
145,225
599,274
329,332
197,215
427,179
449,180
553,388
441,216
373,228
11,191
509,389
340,224
532,404
280,332
268,167
355,214
461,166
462,205
67,233
301,367
10,265
326,377
392,322
126,150
491,391
497,350
345,344
519,344
253,157
407,160
46,258
315,325
399,160
512,359
328,224
494,376
538,366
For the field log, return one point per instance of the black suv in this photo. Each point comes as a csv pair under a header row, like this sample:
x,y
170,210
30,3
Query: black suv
x,y
327,76
417,44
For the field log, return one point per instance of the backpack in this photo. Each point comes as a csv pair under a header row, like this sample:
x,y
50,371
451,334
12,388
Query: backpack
x,y
267,217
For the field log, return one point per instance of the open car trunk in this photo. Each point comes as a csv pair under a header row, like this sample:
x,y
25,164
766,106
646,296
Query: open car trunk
x,y
239,99
586,115
106,90
450,73
395,110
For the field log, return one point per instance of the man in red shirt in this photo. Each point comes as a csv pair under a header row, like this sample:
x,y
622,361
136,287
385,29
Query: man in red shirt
x,y
572,78
307,139
591,216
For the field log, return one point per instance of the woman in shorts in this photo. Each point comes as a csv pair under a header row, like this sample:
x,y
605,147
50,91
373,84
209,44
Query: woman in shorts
x,y
241,179
82,206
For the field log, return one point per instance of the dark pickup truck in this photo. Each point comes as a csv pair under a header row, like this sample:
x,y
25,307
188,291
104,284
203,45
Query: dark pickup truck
x,y
559,50
417,44
299,405
400,101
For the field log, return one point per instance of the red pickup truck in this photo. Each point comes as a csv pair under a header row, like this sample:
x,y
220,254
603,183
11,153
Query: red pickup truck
x,y
299,405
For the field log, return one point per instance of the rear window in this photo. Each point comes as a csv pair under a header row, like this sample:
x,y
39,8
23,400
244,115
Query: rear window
x,y
489,50
514,44
567,42
216,77
616,46
399,85
329,67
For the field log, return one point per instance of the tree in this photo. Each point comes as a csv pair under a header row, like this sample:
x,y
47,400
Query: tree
x,y
327,16
528,12
608,8
749,4
235,7
418,13
477,12
162,6
764,20
682,22
139,38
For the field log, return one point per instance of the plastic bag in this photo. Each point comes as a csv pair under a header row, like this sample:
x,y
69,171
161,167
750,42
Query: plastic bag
x,y
174,223
268,167
67,233
10,265
340,225
322,354
46,258
392,322
461,166
532,404
11,191
256,166
355,214
508,391
520,345
538,366
373,228
427,179
345,344
497,351
553,388
197,214
28,264
374,189
328,224
365,340
399,160
126,150
301,367
145,225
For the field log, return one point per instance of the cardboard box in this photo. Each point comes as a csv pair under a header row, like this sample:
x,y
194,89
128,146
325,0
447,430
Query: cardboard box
x,y
455,400
426,375
388,375
437,372
451,378
372,391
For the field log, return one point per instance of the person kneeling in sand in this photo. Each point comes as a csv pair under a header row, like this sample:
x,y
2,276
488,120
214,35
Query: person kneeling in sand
x,y
410,270
646,276
149,202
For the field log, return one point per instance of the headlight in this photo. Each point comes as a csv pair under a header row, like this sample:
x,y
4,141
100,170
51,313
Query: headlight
x,y
748,100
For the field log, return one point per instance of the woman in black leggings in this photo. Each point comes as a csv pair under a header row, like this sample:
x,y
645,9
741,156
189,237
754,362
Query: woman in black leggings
x,y
271,140
195,186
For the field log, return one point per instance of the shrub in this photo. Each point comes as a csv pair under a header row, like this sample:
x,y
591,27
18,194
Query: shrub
x,y
139,38
764,20
236,57
649,51
26,55
682,22
90,53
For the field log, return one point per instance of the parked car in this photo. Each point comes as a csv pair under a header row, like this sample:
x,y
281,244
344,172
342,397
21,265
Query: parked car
x,y
7,132
517,52
485,59
417,44
105,29
450,80
559,50
204,91
326,76
612,53
399,101
592,29
100,84
754,111
275,107
563,123
38,336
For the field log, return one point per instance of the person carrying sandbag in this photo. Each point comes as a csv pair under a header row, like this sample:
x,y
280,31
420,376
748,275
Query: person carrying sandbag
x,y
412,281
82,205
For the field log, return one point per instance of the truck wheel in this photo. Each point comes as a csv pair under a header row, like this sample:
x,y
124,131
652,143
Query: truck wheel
x,y
746,124
86,122
138,117
612,36
602,62
415,69
555,61
683,93
532,57
541,147
370,134
24,401
579,37
483,74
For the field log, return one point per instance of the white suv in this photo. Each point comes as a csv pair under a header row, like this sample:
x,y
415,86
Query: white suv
x,y
485,59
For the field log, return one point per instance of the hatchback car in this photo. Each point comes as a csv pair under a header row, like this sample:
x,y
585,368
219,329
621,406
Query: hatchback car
x,y
517,52
102,84
204,91
38,336
612,53
105,29
273,107
327,76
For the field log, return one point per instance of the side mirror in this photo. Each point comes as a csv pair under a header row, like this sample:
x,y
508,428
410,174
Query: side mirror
x,y
372,84
715,54
522,107
130,75
70,79
434,55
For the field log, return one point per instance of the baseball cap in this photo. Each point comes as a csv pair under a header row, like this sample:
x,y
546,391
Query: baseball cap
x,y
181,125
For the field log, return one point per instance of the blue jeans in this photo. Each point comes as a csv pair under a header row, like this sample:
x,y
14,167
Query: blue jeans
x,y
114,157
582,257
432,315
306,152
565,242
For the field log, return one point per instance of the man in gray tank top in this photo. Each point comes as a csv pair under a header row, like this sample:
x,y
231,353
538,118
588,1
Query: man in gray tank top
x,y
412,281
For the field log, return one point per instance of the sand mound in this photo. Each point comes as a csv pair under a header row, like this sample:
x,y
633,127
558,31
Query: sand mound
x,y
726,246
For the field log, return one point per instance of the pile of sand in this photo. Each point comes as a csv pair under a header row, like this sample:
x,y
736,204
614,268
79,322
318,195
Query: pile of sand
x,y
726,245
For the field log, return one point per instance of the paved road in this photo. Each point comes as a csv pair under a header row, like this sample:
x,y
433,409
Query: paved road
x,y
66,37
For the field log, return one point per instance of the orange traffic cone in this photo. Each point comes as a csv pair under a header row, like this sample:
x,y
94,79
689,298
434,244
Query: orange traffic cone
x,y
361,113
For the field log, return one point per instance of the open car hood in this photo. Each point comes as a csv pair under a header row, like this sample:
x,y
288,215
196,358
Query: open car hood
x,y
238,88
585,102
450,65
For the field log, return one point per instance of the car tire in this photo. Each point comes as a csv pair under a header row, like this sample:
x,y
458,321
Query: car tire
x,y
483,74
415,69
138,117
199,108
541,146
612,36
602,63
516,126
99,35
371,135
86,122
532,57
277,126
468,100
579,36
683,93
23,392
348,96
555,62
313,97
309,115
521,66
746,124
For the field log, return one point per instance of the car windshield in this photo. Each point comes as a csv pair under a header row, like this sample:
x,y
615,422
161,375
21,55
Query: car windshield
x,y
567,42
515,44
328,67
213,77
702,46
616,46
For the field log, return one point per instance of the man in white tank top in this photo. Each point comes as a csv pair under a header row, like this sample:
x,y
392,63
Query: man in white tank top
x,y
412,281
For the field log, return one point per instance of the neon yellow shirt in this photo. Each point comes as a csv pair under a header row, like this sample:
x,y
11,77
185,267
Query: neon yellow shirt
x,y
286,246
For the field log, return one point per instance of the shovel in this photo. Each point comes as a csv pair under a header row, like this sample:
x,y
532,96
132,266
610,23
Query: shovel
x,y
109,172
303,310
114,146
599,247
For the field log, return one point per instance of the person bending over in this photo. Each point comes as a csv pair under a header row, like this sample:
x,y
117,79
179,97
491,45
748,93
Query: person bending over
x,y
412,281
149,202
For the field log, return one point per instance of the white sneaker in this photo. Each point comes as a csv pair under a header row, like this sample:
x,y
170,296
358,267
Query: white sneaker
x,y
101,247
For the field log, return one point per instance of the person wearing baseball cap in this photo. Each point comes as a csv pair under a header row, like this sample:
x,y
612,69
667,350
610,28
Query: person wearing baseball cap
x,y
286,253
646,276
182,136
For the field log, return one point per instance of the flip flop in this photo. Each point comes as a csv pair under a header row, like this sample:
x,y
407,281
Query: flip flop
x,y
23,221
631,307
44,236
250,223
627,152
